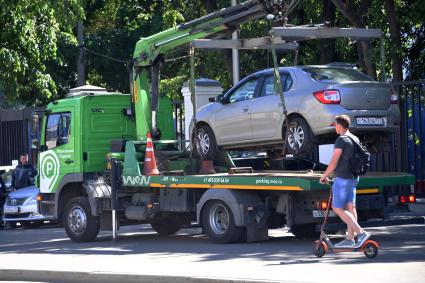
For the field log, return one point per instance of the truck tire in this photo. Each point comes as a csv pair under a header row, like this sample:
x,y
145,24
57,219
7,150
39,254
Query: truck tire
x,y
219,224
80,225
305,231
166,226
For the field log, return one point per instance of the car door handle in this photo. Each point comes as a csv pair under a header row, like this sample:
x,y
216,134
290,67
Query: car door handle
x,y
245,110
69,161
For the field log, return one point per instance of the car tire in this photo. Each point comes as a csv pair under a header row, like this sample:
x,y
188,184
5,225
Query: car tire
x,y
32,224
219,224
300,138
205,144
80,225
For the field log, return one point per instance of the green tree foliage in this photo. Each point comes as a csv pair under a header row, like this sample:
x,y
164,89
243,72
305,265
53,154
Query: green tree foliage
x,y
30,47
38,48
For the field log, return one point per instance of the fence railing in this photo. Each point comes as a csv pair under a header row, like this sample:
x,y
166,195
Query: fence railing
x,y
412,130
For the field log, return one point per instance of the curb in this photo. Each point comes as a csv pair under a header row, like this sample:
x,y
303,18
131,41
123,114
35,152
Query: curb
x,y
95,276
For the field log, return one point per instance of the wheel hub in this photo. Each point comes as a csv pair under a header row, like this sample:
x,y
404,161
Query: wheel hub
x,y
296,137
204,142
219,219
77,220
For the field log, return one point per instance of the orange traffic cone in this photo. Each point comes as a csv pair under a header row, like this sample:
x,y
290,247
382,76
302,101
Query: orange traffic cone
x,y
207,167
149,166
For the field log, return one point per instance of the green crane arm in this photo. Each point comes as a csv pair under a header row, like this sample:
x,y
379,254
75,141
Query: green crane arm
x,y
149,55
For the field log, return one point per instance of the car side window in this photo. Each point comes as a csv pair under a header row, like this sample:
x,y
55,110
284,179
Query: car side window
x,y
58,129
268,86
244,92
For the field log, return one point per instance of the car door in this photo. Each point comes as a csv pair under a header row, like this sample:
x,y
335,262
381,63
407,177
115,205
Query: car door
x,y
232,120
267,109
57,159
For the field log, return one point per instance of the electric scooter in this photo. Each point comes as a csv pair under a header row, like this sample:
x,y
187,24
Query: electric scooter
x,y
324,244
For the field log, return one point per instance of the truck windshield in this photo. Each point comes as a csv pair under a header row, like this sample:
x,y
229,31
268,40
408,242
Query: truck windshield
x,y
337,75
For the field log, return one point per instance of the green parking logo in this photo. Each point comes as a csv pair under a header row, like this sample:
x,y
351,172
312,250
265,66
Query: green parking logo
x,y
49,171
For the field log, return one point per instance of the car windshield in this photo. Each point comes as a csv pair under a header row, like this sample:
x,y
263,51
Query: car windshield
x,y
337,75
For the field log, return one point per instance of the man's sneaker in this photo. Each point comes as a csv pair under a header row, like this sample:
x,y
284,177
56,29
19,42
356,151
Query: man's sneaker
x,y
346,244
363,237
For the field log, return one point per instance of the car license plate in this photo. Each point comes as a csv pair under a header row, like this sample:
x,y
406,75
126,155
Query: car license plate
x,y
11,209
373,121
321,213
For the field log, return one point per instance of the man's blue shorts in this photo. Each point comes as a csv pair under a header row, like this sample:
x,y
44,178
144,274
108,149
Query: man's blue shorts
x,y
343,192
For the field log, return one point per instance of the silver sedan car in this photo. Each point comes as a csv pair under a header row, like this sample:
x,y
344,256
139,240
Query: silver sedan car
x,y
250,115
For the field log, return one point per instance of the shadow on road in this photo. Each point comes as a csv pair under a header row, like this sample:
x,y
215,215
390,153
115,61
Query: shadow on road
x,y
398,244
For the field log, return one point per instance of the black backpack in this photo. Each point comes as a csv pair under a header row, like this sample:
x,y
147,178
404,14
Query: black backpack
x,y
360,161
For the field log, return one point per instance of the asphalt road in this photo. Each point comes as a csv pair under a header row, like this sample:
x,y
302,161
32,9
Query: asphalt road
x,y
46,254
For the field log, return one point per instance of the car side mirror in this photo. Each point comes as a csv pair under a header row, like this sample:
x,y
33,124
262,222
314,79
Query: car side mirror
x,y
211,99
223,100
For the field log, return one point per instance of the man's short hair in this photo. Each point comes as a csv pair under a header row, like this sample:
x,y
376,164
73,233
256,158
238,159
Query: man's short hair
x,y
343,120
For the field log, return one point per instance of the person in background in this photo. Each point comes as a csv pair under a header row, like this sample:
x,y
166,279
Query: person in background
x,y
24,173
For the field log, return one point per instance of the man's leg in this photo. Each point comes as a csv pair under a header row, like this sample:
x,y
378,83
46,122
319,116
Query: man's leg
x,y
352,209
349,219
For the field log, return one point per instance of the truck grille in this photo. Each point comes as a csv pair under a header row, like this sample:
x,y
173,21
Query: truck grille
x,y
15,201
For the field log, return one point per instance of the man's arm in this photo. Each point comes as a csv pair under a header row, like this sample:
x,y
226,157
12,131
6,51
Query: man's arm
x,y
332,165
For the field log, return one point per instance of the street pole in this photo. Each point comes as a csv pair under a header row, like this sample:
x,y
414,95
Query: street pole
x,y
235,55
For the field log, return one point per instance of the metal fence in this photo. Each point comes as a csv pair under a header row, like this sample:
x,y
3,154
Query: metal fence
x,y
412,130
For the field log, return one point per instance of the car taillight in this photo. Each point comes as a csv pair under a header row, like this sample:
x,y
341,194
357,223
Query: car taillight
x,y
394,96
329,96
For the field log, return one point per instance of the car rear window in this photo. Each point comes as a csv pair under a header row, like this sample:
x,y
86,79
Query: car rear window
x,y
337,75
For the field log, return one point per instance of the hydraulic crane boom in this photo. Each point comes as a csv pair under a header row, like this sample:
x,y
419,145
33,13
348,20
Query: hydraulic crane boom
x,y
150,52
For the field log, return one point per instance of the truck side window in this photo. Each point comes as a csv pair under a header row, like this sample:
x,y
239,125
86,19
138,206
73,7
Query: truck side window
x,y
58,129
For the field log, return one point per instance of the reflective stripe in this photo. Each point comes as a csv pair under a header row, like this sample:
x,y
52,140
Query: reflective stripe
x,y
148,159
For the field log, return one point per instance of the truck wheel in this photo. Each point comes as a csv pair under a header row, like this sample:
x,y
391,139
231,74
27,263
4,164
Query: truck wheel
x,y
166,227
219,223
299,141
80,225
205,143
305,231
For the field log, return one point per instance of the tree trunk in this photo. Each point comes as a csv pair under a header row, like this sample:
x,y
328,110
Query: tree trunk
x,y
327,46
394,26
357,18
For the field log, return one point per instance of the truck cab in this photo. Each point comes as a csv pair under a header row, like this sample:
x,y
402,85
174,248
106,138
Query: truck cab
x,y
75,138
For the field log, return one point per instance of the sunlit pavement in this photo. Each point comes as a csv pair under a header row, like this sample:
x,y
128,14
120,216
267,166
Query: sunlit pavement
x,y
46,254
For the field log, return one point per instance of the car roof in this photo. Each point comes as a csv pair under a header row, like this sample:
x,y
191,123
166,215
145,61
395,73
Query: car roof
x,y
301,67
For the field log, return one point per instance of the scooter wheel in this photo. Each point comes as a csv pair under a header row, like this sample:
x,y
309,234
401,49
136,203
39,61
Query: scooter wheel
x,y
370,250
319,249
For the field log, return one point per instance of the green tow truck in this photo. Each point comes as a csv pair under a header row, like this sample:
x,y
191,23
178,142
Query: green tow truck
x,y
92,153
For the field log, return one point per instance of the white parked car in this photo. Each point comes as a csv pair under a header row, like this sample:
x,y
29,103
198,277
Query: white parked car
x,y
22,206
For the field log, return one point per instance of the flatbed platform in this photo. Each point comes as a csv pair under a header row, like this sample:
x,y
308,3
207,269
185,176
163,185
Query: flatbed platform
x,y
265,180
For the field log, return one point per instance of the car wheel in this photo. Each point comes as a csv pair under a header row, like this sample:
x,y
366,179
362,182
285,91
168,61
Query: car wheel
x,y
299,140
80,225
205,143
219,224
32,224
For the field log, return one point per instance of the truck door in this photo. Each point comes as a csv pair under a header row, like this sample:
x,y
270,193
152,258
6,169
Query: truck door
x,y
58,157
